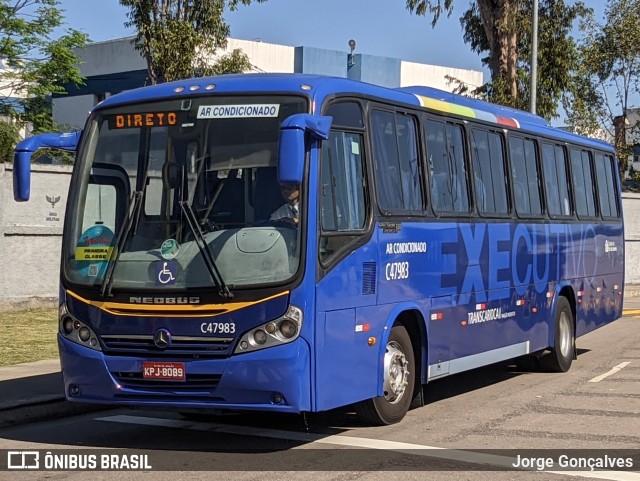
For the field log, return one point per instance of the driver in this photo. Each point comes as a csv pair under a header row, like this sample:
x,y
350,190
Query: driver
x,y
289,210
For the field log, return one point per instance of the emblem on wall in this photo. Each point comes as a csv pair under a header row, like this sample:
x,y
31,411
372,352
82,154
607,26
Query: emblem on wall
x,y
53,200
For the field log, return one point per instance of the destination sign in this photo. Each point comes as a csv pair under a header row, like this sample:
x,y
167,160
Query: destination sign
x,y
146,119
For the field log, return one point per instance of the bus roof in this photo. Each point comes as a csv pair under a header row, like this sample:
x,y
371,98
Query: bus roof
x,y
318,87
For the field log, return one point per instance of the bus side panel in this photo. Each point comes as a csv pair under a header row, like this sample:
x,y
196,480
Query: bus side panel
x,y
600,276
345,365
487,291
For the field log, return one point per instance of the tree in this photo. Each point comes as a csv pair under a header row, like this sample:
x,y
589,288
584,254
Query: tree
x,y
34,64
178,38
609,77
502,30
9,136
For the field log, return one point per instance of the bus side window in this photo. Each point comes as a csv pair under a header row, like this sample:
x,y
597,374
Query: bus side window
x,y
606,186
395,148
525,175
489,172
556,181
583,183
447,166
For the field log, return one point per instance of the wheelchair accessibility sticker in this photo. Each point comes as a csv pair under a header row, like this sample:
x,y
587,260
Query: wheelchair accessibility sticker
x,y
166,273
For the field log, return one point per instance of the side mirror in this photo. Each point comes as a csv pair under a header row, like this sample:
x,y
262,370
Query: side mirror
x,y
24,151
292,146
22,176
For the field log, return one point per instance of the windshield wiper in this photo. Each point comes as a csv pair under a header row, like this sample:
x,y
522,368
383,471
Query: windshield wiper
x,y
194,225
133,216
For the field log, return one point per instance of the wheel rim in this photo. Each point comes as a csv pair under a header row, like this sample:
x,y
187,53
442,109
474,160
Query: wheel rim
x,y
396,373
565,334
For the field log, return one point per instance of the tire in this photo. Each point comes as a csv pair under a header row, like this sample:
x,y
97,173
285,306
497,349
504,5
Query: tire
x,y
564,342
399,381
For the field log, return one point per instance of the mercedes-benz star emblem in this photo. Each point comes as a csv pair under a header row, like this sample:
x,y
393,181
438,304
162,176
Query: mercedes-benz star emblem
x,y
162,338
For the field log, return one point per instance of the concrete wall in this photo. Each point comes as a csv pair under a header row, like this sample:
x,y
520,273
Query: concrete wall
x,y
265,57
68,110
631,207
320,61
376,70
110,56
30,237
436,76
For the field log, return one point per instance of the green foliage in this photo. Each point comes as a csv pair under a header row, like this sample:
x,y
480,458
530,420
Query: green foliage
x,y
501,33
57,155
608,76
9,137
235,62
434,7
178,38
557,54
36,65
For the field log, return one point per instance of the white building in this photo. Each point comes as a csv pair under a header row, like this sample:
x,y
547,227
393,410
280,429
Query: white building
x,y
114,66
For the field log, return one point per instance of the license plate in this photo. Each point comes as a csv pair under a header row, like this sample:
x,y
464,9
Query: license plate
x,y
164,371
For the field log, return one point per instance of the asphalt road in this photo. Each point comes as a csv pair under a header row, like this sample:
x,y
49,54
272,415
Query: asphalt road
x,y
509,409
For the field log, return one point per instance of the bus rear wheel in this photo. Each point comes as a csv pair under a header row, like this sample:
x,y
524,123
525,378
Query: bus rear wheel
x,y
399,381
564,345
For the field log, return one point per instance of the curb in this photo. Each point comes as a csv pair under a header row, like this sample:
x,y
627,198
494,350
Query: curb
x,y
45,410
632,290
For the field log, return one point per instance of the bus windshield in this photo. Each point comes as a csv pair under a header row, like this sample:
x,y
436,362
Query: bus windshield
x,y
181,194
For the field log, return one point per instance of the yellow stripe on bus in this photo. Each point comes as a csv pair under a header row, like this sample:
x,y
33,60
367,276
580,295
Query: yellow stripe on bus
x,y
171,310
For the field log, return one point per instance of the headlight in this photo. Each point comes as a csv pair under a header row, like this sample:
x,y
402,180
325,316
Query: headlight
x,y
259,337
76,331
273,333
288,328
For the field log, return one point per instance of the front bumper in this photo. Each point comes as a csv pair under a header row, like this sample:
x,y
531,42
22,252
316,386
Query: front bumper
x,y
276,379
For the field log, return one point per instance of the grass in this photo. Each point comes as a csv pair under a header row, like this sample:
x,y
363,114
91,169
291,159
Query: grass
x,y
28,336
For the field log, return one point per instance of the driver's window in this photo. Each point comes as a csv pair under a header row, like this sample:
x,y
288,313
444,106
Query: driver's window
x,y
342,195
343,198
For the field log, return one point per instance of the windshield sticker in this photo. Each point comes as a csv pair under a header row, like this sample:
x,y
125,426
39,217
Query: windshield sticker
x,y
238,111
93,250
169,249
146,119
95,244
166,273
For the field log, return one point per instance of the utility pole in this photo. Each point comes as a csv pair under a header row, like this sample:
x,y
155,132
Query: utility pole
x,y
534,58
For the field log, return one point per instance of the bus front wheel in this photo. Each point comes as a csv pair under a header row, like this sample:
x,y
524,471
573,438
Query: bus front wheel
x,y
399,380
564,345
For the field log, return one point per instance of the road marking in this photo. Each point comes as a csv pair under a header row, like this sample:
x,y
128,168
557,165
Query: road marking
x,y
613,370
355,442
630,312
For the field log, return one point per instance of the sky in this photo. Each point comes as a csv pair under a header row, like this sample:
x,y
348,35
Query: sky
x,y
379,27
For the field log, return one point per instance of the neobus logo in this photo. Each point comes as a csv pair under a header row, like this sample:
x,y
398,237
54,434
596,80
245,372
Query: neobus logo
x,y
164,300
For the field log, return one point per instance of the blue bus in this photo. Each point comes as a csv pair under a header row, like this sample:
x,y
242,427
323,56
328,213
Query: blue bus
x,y
296,243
